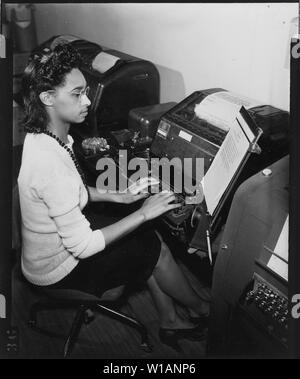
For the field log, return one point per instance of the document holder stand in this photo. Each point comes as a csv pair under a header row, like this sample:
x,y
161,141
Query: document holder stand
x,y
210,222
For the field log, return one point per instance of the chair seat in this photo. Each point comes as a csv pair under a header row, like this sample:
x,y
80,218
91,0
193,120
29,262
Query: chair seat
x,y
78,296
68,294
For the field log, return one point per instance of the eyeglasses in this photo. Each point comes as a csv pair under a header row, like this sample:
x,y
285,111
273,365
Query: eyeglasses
x,y
79,95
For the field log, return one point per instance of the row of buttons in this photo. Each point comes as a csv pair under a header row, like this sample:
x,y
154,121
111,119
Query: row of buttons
x,y
269,302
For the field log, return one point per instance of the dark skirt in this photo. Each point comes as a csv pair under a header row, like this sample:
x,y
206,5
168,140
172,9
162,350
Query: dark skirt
x,y
130,260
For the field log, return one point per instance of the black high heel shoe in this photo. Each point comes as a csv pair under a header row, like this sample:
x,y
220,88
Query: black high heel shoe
x,y
170,337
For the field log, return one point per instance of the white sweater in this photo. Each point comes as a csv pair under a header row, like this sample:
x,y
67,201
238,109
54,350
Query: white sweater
x,y
55,233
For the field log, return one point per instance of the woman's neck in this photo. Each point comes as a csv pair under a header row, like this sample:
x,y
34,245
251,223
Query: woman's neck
x,y
61,130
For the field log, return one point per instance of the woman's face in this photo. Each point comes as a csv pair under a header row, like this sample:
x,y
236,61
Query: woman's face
x,y
70,101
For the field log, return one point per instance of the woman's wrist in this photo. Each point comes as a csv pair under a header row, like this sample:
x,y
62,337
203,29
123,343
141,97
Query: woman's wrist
x,y
142,216
101,195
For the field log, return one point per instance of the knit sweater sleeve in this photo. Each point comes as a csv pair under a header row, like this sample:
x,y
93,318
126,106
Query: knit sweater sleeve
x,y
61,194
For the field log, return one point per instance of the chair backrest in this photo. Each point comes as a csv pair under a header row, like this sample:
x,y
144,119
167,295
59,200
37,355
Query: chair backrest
x,y
16,219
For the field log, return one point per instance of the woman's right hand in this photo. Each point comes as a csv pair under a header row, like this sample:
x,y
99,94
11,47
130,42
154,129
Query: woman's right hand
x,y
158,204
152,207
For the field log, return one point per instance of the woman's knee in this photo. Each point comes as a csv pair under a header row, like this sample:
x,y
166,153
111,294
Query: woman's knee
x,y
113,293
165,255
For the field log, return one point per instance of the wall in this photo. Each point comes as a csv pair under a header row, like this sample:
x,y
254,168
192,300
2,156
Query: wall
x,y
239,47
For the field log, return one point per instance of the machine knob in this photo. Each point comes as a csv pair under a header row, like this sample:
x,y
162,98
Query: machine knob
x,y
224,247
267,172
249,297
257,299
262,305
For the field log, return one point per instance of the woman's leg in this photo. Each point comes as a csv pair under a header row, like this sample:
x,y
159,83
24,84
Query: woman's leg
x,y
165,306
172,282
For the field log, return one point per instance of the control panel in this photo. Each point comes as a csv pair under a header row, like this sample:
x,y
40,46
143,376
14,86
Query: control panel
x,y
268,307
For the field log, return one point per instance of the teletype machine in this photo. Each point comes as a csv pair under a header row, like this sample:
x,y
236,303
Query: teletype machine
x,y
125,95
197,127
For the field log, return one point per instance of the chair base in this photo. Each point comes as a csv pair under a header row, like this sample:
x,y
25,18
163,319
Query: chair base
x,y
85,314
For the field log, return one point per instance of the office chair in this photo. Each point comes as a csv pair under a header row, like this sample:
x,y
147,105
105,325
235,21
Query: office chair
x,y
84,303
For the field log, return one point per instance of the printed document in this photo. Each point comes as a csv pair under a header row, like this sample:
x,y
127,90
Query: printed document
x,y
220,108
226,162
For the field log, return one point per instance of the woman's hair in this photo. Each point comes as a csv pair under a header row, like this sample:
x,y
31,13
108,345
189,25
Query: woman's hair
x,y
45,71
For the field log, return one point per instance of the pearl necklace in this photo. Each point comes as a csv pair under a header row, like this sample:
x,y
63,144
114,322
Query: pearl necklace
x,y
72,155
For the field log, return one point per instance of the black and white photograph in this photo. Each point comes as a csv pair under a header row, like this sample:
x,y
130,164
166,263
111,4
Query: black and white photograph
x,y
148,183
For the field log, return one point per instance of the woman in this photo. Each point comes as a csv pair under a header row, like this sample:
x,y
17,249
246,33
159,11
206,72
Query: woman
x,y
62,248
